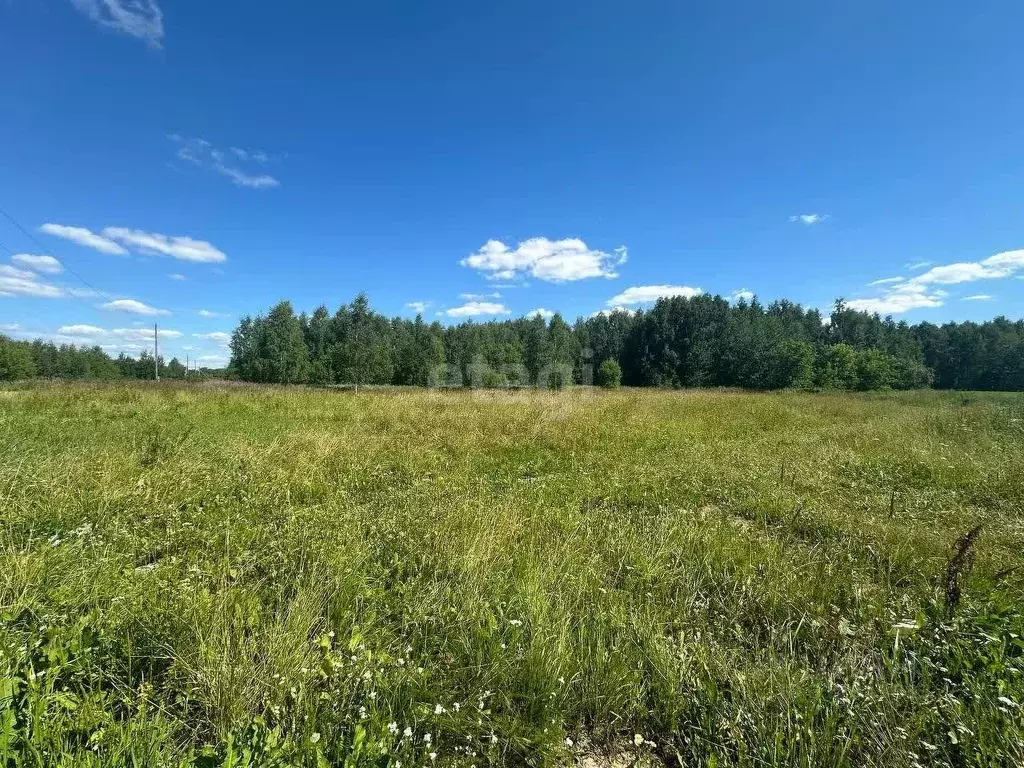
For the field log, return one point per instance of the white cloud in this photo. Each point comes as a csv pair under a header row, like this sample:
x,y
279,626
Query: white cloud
x,y
177,276
21,282
645,294
203,154
808,219
80,330
886,280
178,247
10,327
743,294
45,264
85,237
419,307
479,296
547,314
134,307
920,291
979,297
476,309
208,313
218,336
612,311
555,261
913,266
139,18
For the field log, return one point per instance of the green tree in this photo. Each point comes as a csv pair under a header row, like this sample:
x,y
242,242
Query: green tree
x,y
793,364
282,346
15,360
609,374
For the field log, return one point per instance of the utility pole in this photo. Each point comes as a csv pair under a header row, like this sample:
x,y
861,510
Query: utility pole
x,y
186,365
156,353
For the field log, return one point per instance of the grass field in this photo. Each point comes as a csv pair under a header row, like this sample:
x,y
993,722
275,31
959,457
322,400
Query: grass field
x,y
243,577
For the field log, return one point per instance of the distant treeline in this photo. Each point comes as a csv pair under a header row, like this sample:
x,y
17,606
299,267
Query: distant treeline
x,y
45,360
680,342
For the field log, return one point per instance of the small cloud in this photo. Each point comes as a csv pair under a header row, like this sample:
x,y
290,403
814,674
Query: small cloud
x,y
809,219
646,294
913,266
886,280
208,313
10,327
547,314
479,296
178,247
555,261
218,336
139,18
743,294
134,307
177,276
202,153
22,282
419,307
476,309
45,264
979,297
85,237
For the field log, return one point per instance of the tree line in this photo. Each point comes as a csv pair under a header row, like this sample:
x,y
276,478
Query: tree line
x,y
704,341
46,360
701,341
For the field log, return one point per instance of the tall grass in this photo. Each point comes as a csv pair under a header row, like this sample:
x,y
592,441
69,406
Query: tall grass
x,y
296,578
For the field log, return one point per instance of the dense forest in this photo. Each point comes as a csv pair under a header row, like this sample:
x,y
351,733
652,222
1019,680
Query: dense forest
x,y
45,360
700,341
679,342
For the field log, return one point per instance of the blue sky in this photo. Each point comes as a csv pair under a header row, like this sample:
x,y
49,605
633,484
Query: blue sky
x,y
483,159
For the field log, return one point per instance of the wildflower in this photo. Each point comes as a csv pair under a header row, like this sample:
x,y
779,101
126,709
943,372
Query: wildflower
x,y
568,742
392,728
456,706
407,732
638,739
373,695
427,738
439,710
516,623
433,755
315,738
561,680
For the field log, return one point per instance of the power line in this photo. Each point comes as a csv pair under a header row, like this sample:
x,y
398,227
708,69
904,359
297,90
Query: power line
x,y
68,267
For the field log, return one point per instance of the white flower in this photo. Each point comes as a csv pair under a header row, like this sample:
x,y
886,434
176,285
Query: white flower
x,y
568,742
456,706
516,623
315,738
427,738
561,680
638,739
407,732
392,728
433,755
438,709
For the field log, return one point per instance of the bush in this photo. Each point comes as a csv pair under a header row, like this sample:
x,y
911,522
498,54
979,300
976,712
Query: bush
x,y
15,360
609,375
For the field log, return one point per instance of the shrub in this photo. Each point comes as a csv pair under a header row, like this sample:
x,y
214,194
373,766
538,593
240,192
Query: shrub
x,y
609,374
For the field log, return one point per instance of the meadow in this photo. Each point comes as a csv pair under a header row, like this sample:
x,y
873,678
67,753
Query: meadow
x,y
209,576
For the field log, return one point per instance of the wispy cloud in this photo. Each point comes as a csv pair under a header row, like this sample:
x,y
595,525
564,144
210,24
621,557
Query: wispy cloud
x,y
139,18
913,266
809,219
178,247
44,264
922,291
479,296
419,307
133,307
645,294
547,314
555,261
117,241
177,276
220,337
476,309
979,297
85,237
886,280
23,282
202,153
208,313
743,294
